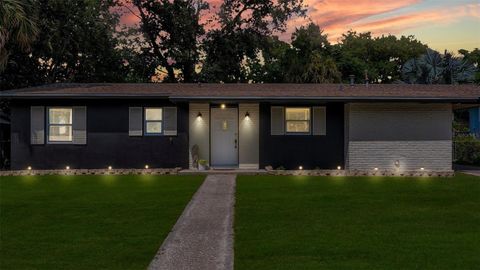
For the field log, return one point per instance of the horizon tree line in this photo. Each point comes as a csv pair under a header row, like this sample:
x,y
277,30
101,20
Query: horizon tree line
x,y
50,41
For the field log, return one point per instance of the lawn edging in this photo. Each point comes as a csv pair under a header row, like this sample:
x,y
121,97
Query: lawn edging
x,y
91,172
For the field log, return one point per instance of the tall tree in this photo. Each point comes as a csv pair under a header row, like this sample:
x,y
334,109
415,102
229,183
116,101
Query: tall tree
x,y
172,30
77,44
243,25
309,60
17,28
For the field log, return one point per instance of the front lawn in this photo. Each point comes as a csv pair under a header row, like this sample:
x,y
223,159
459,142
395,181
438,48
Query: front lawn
x,y
304,222
88,222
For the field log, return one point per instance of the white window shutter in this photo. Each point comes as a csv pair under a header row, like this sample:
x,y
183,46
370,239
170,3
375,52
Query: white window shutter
x,y
79,125
135,121
277,121
319,121
37,125
170,121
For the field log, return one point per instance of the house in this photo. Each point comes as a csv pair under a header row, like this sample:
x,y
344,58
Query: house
x,y
248,126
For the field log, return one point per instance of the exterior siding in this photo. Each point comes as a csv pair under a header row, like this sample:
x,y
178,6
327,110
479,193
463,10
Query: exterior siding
x,y
248,141
415,135
108,142
309,151
199,130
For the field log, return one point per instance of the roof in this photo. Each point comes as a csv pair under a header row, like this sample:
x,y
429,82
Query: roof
x,y
455,93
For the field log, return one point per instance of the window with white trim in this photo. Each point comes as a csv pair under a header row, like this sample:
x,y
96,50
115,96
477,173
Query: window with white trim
x,y
60,122
297,120
153,121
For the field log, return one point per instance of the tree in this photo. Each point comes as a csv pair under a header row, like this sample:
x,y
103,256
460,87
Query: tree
x,y
172,30
381,58
16,28
244,25
309,60
473,58
77,44
434,68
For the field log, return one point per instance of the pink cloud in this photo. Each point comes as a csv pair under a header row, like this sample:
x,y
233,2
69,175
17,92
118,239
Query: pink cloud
x,y
379,17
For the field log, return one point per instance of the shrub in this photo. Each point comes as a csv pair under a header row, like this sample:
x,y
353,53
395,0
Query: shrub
x,y
467,150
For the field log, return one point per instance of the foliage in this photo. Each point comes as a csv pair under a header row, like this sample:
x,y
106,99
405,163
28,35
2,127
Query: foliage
x,y
17,28
77,44
172,30
309,60
467,150
244,26
379,59
472,57
433,68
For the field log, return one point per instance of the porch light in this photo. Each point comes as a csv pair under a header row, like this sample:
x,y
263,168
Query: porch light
x,y
199,115
146,166
223,106
109,168
247,115
67,168
29,168
339,167
300,167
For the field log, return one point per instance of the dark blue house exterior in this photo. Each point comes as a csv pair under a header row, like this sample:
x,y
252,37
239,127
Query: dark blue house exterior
x,y
245,126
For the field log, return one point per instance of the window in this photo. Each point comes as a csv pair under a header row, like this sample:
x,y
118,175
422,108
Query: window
x,y
297,120
153,121
60,124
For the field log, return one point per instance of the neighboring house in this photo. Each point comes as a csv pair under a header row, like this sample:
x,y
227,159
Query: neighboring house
x,y
474,121
247,126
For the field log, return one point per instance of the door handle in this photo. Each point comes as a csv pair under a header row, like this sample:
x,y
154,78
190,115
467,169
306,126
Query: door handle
x,y
235,143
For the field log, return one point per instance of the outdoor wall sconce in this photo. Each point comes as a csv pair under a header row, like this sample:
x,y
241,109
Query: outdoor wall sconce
x,y
199,115
247,114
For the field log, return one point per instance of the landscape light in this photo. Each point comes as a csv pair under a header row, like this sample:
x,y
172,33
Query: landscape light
x,y
67,168
422,169
300,167
376,169
339,167
109,167
29,168
223,106
146,167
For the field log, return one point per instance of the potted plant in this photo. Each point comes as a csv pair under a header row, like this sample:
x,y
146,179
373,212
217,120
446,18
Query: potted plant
x,y
202,164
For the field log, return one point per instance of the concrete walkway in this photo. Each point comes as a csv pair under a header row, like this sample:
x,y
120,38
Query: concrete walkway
x,y
202,238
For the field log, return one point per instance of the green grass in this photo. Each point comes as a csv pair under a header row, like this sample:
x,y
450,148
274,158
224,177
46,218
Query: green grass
x,y
88,222
357,223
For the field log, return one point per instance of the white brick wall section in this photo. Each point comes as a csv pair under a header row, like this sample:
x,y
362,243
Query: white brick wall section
x,y
413,155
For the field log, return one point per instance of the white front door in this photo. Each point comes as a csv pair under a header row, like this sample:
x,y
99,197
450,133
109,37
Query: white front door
x,y
224,137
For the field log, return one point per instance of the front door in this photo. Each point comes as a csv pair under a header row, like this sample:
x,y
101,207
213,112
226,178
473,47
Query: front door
x,y
224,137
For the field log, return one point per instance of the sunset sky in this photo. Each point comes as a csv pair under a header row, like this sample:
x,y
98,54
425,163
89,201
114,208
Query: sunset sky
x,y
442,24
